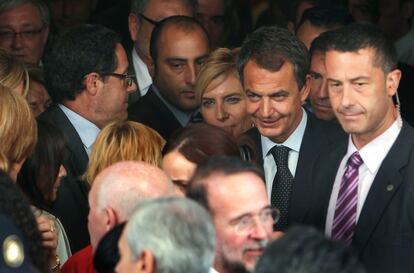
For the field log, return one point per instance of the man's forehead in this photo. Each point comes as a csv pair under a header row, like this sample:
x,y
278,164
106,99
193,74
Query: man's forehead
x,y
161,9
25,15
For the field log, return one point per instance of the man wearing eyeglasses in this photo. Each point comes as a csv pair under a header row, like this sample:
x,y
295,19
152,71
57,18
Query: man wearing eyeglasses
x,y
86,73
144,16
24,28
234,193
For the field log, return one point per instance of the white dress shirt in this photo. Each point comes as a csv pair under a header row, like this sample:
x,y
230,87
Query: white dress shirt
x,y
372,155
141,72
86,130
293,143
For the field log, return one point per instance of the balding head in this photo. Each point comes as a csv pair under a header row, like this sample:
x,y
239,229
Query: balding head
x,y
118,189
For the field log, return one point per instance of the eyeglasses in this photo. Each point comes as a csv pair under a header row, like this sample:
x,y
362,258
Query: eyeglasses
x,y
26,35
152,22
267,217
128,78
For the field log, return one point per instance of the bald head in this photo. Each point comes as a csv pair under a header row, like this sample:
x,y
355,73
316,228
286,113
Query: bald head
x,y
118,189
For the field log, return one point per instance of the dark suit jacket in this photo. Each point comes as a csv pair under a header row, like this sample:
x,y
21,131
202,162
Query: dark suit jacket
x,y
71,205
384,235
151,111
319,136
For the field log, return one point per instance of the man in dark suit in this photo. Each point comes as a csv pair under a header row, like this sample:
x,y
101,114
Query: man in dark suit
x,y
85,71
364,189
273,66
170,102
142,19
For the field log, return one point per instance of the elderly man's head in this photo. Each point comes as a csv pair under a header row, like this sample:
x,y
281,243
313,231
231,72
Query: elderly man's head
x,y
118,189
171,235
24,28
234,193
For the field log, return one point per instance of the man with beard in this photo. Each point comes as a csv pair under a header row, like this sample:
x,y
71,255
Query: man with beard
x,y
233,192
170,102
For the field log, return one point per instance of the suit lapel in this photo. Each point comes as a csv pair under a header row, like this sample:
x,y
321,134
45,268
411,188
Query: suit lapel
x,y
384,187
78,156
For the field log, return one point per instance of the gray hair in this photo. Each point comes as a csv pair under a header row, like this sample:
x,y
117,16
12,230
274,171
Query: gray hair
x,y
6,5
140,6
177,231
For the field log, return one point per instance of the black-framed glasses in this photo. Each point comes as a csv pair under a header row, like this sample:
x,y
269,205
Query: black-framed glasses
x,y
26,35
128,78
152,22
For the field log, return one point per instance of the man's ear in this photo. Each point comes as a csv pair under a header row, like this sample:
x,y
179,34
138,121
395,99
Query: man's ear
x,y
304,92
92,82
146,262
392,81
133,26
111,219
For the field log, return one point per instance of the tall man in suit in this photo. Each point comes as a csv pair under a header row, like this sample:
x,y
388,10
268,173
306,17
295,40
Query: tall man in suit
x,y
144,16
170,102
86,75
273,66
364,189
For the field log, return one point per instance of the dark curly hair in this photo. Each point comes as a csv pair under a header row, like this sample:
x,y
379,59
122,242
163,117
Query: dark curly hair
x,y
14,204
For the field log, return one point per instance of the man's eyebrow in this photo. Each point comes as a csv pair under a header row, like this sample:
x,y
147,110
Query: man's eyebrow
x,y
359,78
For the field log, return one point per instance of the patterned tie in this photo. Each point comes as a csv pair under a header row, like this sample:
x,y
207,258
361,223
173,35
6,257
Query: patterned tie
x,y
282,185
344,222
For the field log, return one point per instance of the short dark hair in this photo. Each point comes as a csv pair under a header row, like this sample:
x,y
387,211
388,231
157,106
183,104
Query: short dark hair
x,y
270,47
304,249
140,6
183,23
326,16
197,142
38,174
359,36
219,164
76,53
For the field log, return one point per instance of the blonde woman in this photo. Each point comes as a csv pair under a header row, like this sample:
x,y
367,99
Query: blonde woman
x,y
13,73
220,93
121,141
18,131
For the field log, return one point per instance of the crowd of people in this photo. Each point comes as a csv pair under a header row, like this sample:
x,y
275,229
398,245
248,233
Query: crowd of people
x,y
206,136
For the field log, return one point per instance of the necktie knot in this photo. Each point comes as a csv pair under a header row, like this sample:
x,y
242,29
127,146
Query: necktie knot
x,y
280,154
355,160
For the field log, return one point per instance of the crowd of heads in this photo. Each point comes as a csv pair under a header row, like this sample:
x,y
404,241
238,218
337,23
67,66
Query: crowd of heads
x,y
189,202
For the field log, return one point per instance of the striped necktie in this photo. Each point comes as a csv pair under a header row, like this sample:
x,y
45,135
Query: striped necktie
x,y
344,222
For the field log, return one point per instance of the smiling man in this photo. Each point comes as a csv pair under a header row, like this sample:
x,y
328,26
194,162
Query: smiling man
x,y
273,66
233,192
170,102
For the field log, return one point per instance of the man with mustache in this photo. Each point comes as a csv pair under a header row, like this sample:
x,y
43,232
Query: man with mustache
x,y
233,192
273,66
364,188
179,46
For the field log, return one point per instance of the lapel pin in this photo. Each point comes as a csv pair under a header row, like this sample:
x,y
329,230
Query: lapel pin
x,y
390,187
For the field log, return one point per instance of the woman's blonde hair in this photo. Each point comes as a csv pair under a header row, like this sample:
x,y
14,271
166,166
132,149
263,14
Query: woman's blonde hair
x,y
121,141
18,130
221,63
13,73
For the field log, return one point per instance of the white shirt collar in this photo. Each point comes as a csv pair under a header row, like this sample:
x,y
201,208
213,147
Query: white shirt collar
x,y
293,142
86,130
375,151
141,72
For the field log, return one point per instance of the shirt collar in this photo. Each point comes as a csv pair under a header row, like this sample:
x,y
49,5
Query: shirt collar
x,y
141,72
375,151
86,130
293,142
181,116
